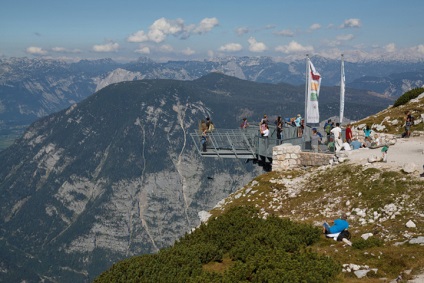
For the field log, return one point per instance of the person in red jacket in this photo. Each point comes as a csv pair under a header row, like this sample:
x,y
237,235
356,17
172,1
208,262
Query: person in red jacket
x,y
349,136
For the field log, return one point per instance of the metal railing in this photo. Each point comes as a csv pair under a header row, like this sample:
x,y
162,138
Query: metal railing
x,y
248,143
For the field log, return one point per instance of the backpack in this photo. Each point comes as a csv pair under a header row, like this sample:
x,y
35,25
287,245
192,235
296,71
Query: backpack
x,y
345,234
327,129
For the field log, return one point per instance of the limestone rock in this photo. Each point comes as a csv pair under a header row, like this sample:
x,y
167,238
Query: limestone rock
x,y
204,215
409,168
410,224
366,235
380,128
361,273
418,240
372,158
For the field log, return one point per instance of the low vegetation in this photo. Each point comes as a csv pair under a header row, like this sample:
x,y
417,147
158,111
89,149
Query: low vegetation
x,y
238,246
407,96
398,112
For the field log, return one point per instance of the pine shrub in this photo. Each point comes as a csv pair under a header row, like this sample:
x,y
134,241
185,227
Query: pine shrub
x,y
407,96
271,250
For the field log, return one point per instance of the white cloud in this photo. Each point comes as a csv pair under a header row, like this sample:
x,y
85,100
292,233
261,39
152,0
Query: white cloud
x,y
65,50
139,36
293,47
143,50
188,51
241,30
36,50
391,47
108,47
339,40
231,47
351,23
285,32
256,46
315,26
166,48
59,49
206,25
163,27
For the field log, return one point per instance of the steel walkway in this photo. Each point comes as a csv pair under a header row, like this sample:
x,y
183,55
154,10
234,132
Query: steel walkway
x,y
248,143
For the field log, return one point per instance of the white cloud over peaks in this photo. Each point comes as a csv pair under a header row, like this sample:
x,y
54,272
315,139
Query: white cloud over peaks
x,y
231,47
315,26
351,23
36,50
166,48
293,47
391,47
65,50
256,46
139,36
143,50
285,32
108,47
163,27
188,51
206,25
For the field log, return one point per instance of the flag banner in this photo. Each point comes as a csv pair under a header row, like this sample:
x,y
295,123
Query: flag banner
x,y
314,83
342,92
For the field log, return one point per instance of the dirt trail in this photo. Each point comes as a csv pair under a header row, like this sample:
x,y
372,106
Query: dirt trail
x,y
405,151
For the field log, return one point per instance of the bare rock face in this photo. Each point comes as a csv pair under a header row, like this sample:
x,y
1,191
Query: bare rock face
x,y
114,176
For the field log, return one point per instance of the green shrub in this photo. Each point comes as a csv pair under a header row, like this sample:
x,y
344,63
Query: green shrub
x,y
407,96
362,244
271,250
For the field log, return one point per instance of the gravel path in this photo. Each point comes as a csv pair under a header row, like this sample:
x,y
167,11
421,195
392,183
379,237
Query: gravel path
x,y
405,151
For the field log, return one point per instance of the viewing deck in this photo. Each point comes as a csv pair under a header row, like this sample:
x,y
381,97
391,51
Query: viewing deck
x,y
248,143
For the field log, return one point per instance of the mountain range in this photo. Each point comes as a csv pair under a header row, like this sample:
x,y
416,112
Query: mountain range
x,y
117,174
33,88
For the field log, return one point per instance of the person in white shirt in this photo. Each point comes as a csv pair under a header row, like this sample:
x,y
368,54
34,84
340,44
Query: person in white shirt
x,y
346,146
337,132
266,132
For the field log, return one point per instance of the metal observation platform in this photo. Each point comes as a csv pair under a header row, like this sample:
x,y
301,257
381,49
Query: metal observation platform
x,y
248,143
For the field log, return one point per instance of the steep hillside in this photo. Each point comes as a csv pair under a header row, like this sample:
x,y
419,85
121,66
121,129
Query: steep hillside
x,y
118,175
384,205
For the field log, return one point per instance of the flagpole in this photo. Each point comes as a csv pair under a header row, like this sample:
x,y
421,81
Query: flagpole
x,y
306,88
342,90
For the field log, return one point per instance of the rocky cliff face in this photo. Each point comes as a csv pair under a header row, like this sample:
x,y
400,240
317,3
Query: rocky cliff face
x,y
111,177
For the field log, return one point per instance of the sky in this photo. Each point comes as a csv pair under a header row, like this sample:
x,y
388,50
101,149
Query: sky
x,y
198,29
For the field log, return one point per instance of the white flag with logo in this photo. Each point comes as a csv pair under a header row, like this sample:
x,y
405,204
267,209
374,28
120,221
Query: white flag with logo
x,y
314,83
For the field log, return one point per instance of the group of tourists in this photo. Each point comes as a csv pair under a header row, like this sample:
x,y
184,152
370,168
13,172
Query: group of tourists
x,y
297,122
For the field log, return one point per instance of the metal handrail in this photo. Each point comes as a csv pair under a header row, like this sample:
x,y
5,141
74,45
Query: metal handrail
x,y
248,140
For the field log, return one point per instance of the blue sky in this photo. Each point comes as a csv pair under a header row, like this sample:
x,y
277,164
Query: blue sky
x,y
199,29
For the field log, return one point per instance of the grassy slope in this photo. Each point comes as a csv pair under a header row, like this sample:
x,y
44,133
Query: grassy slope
x,y
316,194
384,117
